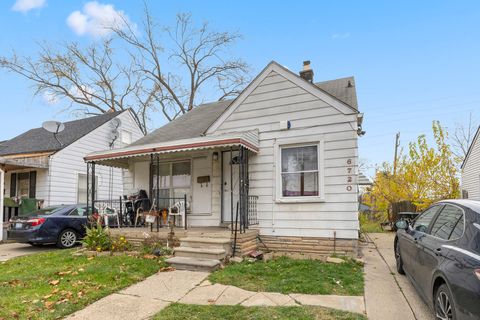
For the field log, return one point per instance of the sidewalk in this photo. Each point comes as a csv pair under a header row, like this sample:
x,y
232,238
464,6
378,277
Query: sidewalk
x,y
389,295
146,298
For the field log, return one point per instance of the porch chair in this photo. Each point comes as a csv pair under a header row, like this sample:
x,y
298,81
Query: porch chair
x,y
178,210
106,212
142,206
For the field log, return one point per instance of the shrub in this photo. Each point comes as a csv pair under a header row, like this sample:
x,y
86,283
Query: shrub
x,y
97,238
120,244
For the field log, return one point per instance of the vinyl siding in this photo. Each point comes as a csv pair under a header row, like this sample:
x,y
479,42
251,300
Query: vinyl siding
x,y
471,171
66,164
277,99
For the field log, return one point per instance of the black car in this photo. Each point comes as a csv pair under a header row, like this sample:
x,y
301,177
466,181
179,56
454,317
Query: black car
x,y
440,252
63,225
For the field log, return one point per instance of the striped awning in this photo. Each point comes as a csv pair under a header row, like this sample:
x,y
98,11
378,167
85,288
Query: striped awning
x,y
114,157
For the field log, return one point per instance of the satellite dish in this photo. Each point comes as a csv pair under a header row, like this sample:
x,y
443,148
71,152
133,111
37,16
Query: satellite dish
x,y
53,126
115,123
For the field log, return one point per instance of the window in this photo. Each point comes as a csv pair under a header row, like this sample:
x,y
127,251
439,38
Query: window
x,y
423,221
174,181
82,188
23,185
78,212
449,224
300,171
126,137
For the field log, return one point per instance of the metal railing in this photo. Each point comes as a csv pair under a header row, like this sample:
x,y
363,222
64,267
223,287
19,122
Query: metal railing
x,y
252,210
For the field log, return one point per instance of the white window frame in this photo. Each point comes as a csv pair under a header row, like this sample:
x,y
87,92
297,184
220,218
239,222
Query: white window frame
x,y
125,133
97,184
292,143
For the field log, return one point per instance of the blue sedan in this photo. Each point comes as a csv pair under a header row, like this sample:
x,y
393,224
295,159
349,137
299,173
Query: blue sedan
x,y
63,225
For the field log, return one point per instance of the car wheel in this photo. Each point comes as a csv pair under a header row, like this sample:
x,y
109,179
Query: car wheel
x,y
67,239
398,258
444,306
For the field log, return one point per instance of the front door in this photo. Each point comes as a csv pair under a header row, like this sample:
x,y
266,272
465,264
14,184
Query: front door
x,y
230,185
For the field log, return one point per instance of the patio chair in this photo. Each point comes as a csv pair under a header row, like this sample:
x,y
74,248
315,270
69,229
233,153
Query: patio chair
x,y
178,210
143,208
106,212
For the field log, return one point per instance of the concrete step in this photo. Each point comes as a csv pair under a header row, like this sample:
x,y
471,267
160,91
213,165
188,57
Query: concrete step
x,y
202,253
194,264
204,242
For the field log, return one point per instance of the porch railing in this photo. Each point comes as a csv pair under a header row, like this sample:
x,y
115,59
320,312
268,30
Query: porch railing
x,y
252,210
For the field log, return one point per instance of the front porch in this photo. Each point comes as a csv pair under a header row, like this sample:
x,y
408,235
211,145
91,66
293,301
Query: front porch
x,y
207,177
245,242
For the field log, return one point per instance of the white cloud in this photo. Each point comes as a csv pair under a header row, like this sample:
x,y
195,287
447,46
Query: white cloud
x,y
96,19
26,5
50,98
337,36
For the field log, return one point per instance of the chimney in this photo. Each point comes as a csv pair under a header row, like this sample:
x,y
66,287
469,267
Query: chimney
x,y
307,72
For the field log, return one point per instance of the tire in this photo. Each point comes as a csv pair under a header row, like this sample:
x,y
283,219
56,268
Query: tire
x,y
444,307
67,239
398,259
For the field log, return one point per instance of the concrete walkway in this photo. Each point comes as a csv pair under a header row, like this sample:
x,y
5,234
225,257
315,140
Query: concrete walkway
x,y
12,250
389,295
146,298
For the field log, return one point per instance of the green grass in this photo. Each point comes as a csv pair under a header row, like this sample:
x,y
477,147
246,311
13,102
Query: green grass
x,y
211,312
29,288
287,275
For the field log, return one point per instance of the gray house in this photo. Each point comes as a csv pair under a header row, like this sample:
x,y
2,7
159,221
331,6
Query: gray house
x,y
284,151
470,170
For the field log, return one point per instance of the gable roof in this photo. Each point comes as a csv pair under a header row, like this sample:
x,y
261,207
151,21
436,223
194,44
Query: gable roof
x,y
342,89
190,125
296,79
40,140
200,119
470,148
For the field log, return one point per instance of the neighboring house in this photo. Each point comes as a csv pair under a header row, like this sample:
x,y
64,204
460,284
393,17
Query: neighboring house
x,y
471,170
39,166
287,144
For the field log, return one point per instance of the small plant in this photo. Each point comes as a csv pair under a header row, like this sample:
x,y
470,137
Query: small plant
x,y
152,246
97,238
120,244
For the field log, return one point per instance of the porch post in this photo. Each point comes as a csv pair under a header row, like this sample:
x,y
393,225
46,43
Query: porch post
x,y
231,188
157,194
91,187
2,181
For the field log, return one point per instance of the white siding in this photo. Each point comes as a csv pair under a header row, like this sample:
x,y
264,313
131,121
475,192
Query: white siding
x,y
277,99
471,171
66,164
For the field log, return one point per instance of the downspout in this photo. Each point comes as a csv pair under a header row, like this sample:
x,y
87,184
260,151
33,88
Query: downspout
x,y
49,181
274,179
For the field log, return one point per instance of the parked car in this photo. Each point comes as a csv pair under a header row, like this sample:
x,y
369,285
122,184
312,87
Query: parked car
x,y
63,225
439,251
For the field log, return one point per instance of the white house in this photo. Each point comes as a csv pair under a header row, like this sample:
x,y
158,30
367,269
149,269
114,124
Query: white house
x,y
38,165
471,170
285,150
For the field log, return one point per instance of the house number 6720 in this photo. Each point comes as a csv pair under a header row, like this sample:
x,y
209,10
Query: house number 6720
x,y
349,177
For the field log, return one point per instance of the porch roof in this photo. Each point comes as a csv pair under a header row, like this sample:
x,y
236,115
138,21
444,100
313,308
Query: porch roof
x,y
37,162
114,157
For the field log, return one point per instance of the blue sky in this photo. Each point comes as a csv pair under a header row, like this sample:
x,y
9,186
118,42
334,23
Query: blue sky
x,y
414,61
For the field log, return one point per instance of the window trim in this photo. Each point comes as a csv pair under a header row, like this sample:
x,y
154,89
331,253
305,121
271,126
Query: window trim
x,y
97,185
277,162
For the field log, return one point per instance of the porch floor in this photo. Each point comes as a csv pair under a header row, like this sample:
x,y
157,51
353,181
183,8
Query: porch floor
x,y
211,232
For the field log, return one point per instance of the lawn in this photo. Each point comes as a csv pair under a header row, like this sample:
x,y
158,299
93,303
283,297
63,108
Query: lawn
x,y
211,312
287,275
54,284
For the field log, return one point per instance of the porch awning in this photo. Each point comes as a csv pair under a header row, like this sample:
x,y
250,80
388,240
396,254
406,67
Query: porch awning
x,y
38,162
114,157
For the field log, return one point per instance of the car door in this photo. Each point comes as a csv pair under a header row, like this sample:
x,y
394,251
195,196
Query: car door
x,y
77,220
431,253
409,239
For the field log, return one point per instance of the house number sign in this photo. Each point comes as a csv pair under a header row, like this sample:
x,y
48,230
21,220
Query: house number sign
x,y
349,176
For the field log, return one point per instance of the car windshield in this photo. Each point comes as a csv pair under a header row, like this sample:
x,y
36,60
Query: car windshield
x,y
49,210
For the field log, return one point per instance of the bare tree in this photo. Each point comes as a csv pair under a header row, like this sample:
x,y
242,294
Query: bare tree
x,y
462,137
197,62
148,78
88,79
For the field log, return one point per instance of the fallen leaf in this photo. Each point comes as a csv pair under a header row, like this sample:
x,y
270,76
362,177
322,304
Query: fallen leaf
x,y
90,258
62,273
54,282
149,256
49,304
55,290
81,270
48,296
167,269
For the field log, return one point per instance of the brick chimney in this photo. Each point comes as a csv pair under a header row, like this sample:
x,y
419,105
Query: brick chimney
x,y
307,72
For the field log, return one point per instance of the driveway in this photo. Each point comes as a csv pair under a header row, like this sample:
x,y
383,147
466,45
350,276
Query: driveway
x,y
389,295
12,250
